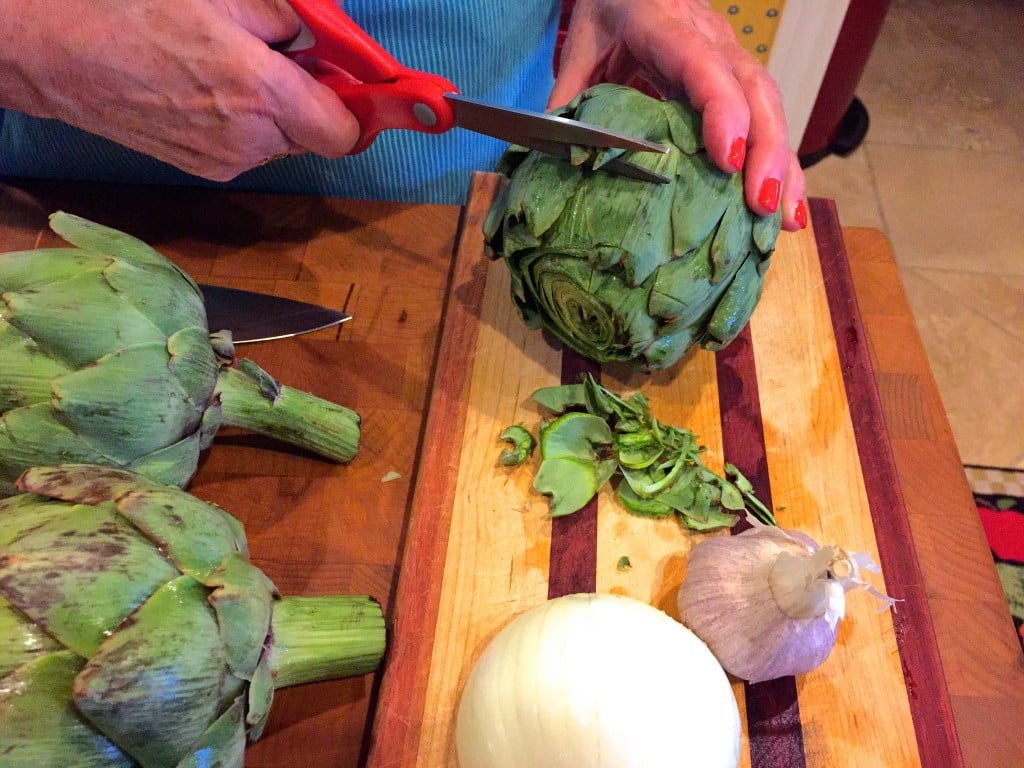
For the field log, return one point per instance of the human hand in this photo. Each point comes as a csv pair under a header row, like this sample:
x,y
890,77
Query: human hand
x,y
192,83
683,46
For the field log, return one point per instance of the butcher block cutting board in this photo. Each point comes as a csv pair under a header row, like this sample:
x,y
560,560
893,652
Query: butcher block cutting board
x,y
792,403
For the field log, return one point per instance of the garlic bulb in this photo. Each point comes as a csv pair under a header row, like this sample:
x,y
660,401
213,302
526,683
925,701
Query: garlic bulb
x,y
597,681
768,601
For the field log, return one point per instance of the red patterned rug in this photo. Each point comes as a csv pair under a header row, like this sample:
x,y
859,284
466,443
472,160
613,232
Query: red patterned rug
x,y
999,494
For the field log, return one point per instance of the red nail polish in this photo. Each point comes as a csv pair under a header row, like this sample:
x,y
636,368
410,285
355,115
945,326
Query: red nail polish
x,y
738,153
769,196
800,214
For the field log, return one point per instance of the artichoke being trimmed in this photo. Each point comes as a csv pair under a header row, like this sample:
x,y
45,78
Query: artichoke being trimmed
x,y
134,631
106,358
625,270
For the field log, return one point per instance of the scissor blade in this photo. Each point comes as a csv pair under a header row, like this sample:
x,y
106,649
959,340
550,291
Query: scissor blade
x,y
520,126
252,316
618,165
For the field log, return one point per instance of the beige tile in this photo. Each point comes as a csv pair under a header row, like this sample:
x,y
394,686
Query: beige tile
x,y
951,209
848,181
970,324
945,73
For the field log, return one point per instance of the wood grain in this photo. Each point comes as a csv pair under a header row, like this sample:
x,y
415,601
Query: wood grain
x,y
314,527
776,404
318,528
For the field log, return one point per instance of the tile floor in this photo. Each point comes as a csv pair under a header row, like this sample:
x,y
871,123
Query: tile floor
x,y
941,172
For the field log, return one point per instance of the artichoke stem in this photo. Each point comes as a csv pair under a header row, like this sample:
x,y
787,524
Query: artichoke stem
x,y
323,638
254,401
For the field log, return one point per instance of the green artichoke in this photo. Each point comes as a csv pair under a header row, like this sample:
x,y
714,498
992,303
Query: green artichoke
x,y
107,359
625,270
134,631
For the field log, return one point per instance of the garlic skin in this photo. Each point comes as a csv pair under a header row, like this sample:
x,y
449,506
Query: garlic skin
x,y
768,601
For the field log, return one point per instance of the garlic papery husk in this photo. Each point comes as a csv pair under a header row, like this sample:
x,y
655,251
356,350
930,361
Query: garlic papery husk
x,y
768,601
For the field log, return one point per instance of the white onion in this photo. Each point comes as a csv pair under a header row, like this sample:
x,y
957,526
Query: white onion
x,y
597,681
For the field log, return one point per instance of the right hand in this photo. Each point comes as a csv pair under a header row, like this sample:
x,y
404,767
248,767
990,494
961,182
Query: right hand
x,y
193,83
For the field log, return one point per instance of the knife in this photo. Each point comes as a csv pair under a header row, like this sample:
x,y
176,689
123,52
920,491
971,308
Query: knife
x,y
384,94
252,316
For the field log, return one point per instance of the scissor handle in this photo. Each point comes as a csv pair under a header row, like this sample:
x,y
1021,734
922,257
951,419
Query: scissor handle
x,y
376,88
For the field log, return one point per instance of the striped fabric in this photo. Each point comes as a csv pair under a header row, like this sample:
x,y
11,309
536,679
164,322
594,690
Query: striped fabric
x,y
498,51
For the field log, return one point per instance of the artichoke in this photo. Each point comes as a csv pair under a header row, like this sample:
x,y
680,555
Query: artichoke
x,y
107,359
135,631
624,270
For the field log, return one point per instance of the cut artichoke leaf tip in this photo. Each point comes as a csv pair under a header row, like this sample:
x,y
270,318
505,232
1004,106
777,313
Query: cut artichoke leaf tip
x,y
597,436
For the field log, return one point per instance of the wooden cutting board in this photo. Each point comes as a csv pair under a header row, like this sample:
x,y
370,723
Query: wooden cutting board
x,y
792,403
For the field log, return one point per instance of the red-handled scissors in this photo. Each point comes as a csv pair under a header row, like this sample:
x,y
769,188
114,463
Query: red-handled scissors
x,y
383,94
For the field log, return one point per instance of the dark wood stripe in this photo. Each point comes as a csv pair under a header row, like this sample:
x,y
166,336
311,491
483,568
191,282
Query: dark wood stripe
x,y
573,563
773,710
930,706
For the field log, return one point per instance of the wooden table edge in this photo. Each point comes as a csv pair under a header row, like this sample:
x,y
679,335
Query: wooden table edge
x,y
989,727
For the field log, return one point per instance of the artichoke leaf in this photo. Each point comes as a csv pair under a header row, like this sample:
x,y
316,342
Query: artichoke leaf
x,y
242,598
77,571
76,323
634,216
40,724
540,191
126,402
640,506
701,198
574,435
737,304
685,126
31,435
626,110
162,294
560,398
193,363
260,697
46,268
97,237
197,537
175,464
732,239
683,290
569,481
520,448
223,743
21,640
28,371
153,685
766,231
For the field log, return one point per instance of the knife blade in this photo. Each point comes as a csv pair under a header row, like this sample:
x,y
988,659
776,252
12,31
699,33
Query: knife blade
x,y
253,316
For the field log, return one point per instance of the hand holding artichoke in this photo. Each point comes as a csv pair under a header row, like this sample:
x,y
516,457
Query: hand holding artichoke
x,y
624,270
134,631
107,359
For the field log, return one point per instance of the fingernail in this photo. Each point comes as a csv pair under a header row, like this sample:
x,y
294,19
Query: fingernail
x,y
800,214
738,153
769,196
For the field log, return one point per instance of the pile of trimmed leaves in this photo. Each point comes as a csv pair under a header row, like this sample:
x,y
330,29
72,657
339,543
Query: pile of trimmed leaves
x,y
596,436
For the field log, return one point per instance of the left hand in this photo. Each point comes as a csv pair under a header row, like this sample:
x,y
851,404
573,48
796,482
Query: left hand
x,y
684,47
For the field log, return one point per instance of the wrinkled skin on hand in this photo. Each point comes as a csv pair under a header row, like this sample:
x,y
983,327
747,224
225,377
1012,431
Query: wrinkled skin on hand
x,y
683,45
191,82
